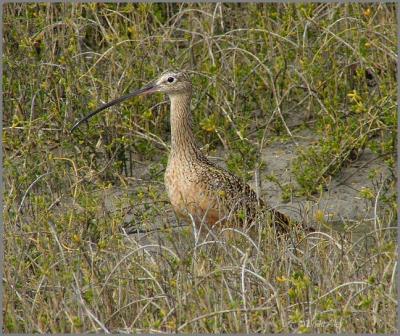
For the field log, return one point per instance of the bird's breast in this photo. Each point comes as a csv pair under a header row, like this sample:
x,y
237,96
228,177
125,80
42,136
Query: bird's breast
x,y
188,196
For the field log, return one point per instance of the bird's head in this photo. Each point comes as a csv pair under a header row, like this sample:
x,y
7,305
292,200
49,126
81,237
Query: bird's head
x,y
173,82
169,82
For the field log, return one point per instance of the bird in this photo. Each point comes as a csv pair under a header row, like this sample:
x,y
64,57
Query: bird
x,y
199,190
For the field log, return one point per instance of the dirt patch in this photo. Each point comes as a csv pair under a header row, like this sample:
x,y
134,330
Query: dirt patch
x,y
341,201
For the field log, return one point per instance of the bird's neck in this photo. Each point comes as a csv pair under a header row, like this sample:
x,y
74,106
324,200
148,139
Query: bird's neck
x,y
183,142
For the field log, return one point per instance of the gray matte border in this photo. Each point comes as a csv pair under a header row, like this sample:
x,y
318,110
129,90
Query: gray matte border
x,y
190,1
1,169
398,166
205,1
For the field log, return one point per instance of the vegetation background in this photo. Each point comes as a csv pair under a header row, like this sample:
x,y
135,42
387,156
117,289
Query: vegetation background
x,y
263,73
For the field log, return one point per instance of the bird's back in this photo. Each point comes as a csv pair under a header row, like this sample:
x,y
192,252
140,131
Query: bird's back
x,y
208,193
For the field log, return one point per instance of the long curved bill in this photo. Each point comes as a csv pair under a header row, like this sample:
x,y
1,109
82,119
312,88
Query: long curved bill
x,y
147,89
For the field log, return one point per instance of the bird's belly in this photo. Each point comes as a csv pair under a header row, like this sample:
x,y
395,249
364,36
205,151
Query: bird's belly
x,y
191,200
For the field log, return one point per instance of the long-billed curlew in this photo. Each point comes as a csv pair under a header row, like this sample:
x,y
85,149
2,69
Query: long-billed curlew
x,y
197,188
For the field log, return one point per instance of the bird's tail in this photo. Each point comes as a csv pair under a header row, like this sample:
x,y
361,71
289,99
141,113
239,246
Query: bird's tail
x,y
284,223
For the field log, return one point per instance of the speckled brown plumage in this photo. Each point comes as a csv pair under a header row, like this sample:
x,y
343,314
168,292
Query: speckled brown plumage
x,y
197,188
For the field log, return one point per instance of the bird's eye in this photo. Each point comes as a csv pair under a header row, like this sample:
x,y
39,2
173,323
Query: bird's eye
x,y
170,79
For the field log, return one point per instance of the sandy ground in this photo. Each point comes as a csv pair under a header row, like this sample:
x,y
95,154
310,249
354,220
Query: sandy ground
x,y
341,201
